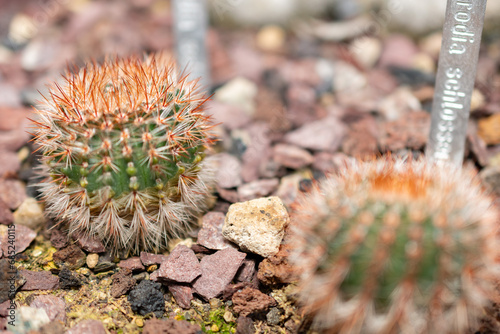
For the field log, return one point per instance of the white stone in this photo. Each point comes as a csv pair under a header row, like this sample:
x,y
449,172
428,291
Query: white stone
x,y
28,319
238,92
257,226
29,214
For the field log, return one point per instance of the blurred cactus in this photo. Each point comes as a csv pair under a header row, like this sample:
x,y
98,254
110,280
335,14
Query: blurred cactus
x,y
123,151
396,246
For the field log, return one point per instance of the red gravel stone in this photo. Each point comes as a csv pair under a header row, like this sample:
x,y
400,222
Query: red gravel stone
x,y
12,192
218,270
276,269
322,135
91,244
231,117
210,235
133,263
9,162
248,301
6,216
54,306
23,238
183,294
181,266
59,239
246,273
257,189
148,259
229,172
170,326
291,156
39,280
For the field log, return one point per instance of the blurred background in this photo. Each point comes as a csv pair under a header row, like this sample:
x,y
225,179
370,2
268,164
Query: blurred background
x,y
284,72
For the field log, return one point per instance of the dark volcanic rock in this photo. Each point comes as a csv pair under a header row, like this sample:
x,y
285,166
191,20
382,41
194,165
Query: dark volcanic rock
x,y
146,298
122,283
218,270
170,326
68,279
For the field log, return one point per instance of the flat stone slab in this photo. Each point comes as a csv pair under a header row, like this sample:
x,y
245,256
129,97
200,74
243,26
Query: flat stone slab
x,y
181,266
218,270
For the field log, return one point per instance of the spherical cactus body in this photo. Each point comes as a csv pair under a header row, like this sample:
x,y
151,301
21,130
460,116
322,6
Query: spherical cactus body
x,y
122,148
396,246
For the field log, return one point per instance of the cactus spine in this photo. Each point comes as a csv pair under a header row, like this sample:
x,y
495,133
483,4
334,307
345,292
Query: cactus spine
x,y
123,151
396,246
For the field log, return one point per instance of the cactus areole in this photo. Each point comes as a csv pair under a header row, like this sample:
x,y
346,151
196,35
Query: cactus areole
x,y
397,246
123,152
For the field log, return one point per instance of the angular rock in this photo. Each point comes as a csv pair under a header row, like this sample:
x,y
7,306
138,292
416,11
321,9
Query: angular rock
x,y
148,259
210,234
91,244
183,294
218,270
229,171
122,283
291,156
276,269
87,327
170,326
181,266
29,214
71,257
231,289
12,192
23,236
257,188
9,273
39,280
257,226
249,301
55,307
146,298
133,263
321,135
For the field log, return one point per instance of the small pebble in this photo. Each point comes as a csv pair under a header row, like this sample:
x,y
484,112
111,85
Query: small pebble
x,y
92,260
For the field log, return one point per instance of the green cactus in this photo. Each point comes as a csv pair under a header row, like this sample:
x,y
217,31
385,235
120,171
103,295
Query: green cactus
x,y
123,151
396,246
